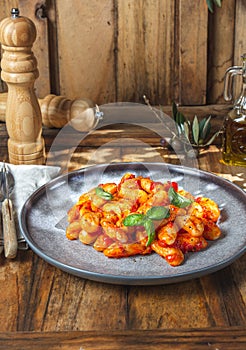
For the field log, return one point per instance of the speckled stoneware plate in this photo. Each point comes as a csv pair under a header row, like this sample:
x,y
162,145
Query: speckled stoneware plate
x,y
43,223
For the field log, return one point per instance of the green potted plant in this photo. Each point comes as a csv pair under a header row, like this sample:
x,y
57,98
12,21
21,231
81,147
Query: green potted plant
x,y
197,133
211,4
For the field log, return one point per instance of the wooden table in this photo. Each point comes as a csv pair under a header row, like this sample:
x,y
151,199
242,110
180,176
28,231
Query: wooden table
x,y
43,307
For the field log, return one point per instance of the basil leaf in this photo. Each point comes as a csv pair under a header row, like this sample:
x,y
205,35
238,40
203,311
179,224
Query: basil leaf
x,y
134,220
158,213
103,194
178,200
150,229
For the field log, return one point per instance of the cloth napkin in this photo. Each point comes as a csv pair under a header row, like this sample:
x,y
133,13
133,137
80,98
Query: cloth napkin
x,y
28,178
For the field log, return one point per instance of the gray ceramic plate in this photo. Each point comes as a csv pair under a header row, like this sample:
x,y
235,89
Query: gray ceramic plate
x,y
43,222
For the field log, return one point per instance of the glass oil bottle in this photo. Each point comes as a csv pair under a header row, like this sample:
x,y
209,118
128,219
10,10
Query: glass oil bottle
x,y
234,140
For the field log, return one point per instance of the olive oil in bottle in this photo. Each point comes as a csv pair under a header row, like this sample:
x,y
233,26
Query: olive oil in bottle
x,y
234,140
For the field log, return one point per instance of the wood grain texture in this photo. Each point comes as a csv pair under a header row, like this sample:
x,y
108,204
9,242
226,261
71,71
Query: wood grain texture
x,y
19,71
122,49
5,10
40,48
38,297
220,49
239,43
240,46
108,137
58,110
184,339
86,49
9,229
6,6
53,46
145,50
47,299
35,10
193,50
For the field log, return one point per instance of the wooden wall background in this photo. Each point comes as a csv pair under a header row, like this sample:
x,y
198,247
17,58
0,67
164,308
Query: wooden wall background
x,y
119,50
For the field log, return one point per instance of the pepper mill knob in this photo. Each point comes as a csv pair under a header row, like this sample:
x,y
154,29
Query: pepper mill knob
x,y
19,71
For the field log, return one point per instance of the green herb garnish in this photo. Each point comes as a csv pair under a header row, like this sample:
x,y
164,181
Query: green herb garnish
x,y
158,213
154,213
103,194
178,200
150,229
134,220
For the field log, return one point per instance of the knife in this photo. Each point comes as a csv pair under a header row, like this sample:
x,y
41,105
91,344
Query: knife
x,y
1,235
9,229
1,223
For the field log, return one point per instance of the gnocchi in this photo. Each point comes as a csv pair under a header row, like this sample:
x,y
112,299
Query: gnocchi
x,y
141,216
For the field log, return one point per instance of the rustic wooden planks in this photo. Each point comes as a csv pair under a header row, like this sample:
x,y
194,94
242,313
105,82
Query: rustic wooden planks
x,y
220,49
39,297
86,49
122,49
184,339
146,50
239,43
192,52
147,47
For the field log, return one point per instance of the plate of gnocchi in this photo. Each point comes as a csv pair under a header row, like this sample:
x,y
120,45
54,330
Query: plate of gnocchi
x,y
137,223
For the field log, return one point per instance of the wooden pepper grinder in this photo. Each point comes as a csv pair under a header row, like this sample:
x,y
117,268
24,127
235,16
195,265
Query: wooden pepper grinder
x,y
19,71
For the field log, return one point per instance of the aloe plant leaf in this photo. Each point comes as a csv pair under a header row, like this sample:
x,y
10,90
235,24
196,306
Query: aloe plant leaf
x,y
195,129
210,5
218,2
175,116
186,130
201,124
206,128
180,118
174,110
211,139
180,129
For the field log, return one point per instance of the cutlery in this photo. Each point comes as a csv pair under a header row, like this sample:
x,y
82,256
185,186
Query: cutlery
x,y
8,222
1,235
